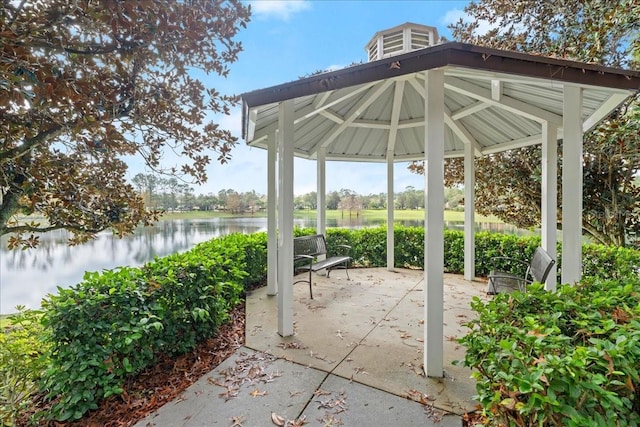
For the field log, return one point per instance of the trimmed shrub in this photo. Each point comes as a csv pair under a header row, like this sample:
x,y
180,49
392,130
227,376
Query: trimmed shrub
x,y
565,358
23,358
114,323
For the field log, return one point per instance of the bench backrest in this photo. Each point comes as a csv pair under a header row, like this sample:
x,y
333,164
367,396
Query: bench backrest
x,y
541,264
310,245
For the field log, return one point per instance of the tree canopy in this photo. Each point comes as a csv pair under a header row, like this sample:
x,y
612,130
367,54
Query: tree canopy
x,y
85,85
508,184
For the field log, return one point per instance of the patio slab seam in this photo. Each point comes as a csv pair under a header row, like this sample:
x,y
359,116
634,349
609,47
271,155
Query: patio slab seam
x,y
332,370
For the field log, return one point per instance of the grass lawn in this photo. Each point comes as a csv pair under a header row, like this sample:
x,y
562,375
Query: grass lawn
x,y
4,321
372,214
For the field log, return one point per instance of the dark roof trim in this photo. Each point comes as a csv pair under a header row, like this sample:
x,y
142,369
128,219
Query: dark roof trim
x,y
456,54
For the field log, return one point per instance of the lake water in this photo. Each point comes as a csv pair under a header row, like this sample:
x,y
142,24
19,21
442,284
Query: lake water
x,y
27,276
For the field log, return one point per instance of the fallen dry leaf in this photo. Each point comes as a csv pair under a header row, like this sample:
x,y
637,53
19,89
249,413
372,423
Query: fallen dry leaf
x,y
360,370
292,344
420,397
258,393
277,419
329,420
237,421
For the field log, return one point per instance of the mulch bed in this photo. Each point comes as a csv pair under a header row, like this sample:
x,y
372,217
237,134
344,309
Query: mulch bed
x,y
163,382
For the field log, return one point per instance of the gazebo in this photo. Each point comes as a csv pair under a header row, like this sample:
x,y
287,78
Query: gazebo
x,y
418,100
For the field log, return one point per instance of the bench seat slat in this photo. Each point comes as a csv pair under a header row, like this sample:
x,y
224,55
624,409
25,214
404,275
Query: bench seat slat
x,y
326,263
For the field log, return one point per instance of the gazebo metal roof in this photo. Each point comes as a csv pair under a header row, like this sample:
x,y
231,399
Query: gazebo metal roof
x,y
495,100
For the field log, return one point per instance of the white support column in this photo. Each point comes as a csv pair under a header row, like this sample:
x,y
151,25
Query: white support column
x,y
390,209
434,224
469,213
549,203
272,217
572,186
285,218
321,218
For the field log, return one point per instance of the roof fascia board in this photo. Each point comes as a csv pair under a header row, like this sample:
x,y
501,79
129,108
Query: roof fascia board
x,y
544,67
450,54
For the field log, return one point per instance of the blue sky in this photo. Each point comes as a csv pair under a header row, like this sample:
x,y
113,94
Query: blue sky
x,y
286,40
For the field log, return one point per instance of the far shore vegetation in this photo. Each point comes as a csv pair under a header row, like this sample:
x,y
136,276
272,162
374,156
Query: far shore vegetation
x,y
370,214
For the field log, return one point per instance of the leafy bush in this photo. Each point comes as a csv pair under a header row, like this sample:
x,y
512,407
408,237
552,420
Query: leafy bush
x,y
114,323
565,358
23,358
101,330
610,262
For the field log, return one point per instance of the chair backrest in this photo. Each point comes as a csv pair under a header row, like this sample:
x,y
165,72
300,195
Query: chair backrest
x,y
309,245
541,265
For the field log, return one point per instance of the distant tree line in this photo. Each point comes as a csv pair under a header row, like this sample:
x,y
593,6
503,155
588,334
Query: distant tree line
x,y
169,194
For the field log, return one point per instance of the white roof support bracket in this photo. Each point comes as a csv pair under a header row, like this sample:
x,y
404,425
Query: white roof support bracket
x,y
469,110
395,117
355,112
513,105
461,132
496,90
603,110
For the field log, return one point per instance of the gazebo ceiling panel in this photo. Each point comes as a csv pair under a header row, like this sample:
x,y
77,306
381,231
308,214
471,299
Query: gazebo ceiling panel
x,y
494,100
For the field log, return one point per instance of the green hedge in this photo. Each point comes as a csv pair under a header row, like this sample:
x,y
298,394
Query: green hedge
x,y
114,324
369,249
565,358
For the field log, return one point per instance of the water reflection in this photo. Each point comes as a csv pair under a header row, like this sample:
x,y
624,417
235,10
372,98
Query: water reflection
x,y
27,276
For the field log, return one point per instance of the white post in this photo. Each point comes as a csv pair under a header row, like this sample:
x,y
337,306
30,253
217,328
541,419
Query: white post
x,y
572,185
469,213
390,209
285,218
272,225
549,202
321,197
434,224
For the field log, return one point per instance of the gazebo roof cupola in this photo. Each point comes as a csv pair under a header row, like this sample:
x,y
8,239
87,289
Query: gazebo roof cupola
x,y
401,39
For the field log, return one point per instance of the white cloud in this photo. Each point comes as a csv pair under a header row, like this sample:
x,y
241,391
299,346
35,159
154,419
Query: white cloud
x,y
280,9
454,15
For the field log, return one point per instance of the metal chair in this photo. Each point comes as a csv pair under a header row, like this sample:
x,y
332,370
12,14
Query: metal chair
x,y
538,270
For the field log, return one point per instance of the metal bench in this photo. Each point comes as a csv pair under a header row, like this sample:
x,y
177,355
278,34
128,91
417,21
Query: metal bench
x,y
538,270
307,249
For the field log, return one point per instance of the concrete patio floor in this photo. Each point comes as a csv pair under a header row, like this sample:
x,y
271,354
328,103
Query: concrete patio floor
x,y
369,330
355,360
